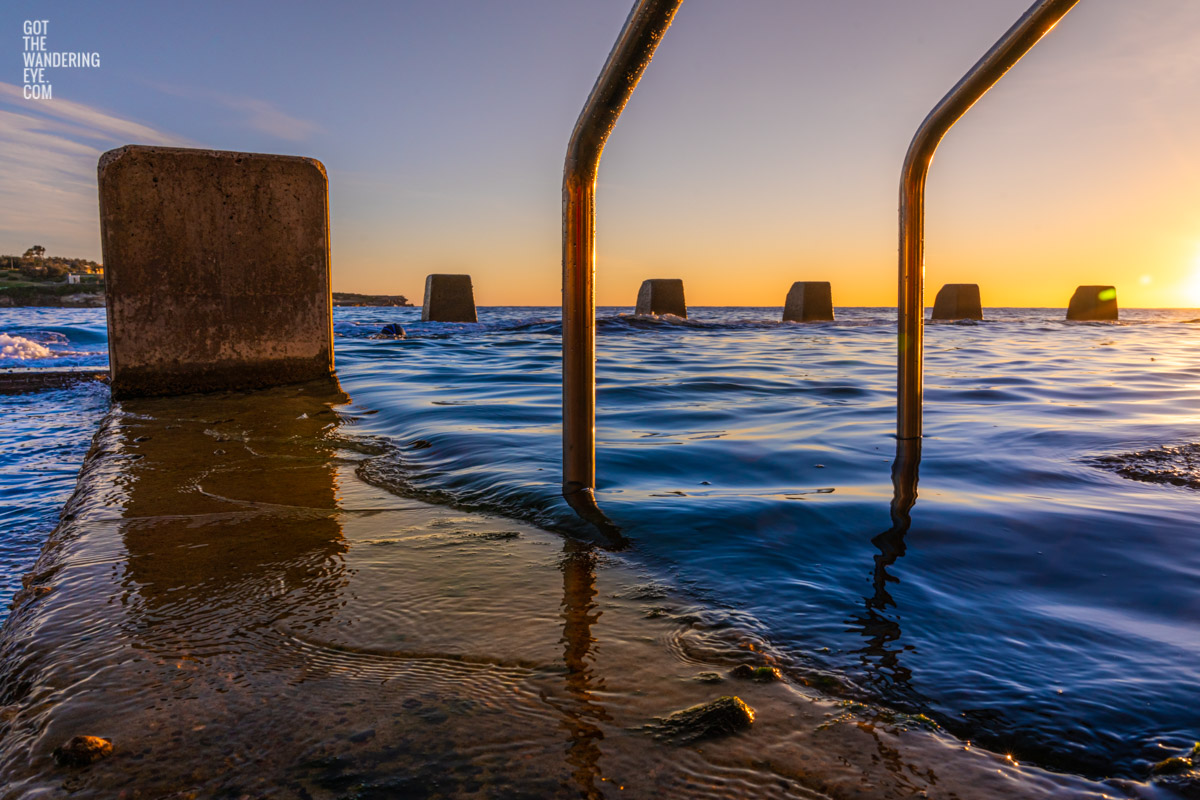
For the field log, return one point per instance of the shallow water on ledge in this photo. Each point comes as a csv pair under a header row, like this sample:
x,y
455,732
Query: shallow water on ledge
x,y
242,616
1040,603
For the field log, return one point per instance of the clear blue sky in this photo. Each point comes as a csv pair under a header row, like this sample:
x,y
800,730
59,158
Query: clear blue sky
x,y
762,147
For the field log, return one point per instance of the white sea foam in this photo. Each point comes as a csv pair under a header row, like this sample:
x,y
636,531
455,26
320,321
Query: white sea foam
x,y
20,347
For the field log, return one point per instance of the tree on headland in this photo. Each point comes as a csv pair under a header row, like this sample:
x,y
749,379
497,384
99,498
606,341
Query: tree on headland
x,y
36,266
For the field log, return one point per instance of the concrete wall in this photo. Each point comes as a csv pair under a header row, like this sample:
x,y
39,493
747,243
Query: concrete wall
x,y
1093,303
448,298
809,301
958,301
217,269
661,296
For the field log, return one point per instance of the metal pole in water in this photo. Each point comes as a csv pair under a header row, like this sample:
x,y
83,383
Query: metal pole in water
x,y
643,30
1041,17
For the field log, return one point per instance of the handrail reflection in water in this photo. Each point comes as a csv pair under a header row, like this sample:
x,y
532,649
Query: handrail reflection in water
x,y
881,632
905,472
584,714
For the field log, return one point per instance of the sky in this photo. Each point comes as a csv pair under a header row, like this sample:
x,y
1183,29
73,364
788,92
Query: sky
x,y
763,145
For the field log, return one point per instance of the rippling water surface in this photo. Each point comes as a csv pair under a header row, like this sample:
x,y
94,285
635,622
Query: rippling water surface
x,y
45,435
1044,599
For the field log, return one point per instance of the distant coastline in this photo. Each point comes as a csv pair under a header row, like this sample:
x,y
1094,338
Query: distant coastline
x,y
36,279
52,295
351,299
57,295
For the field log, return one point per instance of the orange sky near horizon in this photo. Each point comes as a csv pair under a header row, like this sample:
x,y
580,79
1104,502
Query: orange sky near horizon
x,y
762,147
1080,167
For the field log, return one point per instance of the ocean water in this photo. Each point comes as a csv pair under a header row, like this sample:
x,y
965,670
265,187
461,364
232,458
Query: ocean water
x,y
1040,597
45,435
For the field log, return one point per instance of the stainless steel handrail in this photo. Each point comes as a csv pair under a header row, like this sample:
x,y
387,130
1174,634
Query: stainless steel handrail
x,y
1041,17
644,28
648,21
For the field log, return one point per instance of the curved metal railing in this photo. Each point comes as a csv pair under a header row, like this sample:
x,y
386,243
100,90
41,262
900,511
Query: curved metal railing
x,y
643,30
1041,17
648,21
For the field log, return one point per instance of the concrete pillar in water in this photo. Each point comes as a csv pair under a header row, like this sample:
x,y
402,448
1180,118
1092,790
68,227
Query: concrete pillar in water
x,y
661,296
958,301
216,268
448,298
808,301
1093,303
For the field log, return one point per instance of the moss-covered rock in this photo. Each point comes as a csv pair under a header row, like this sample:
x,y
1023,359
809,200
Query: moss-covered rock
x,y
1180,774
80,751
1172,766
720,717
761,674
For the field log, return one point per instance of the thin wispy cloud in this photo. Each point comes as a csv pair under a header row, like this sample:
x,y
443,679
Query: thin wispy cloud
x,y
48,155
49,150
266,118
253,113
93,121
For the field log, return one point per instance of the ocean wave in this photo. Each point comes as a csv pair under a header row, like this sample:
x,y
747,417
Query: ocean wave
x,y
21,348
77,335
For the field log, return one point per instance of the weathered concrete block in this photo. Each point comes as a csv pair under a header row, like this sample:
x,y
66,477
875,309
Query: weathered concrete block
x,y
661,296
217,269
958,301
1093,303
448,298
808,301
